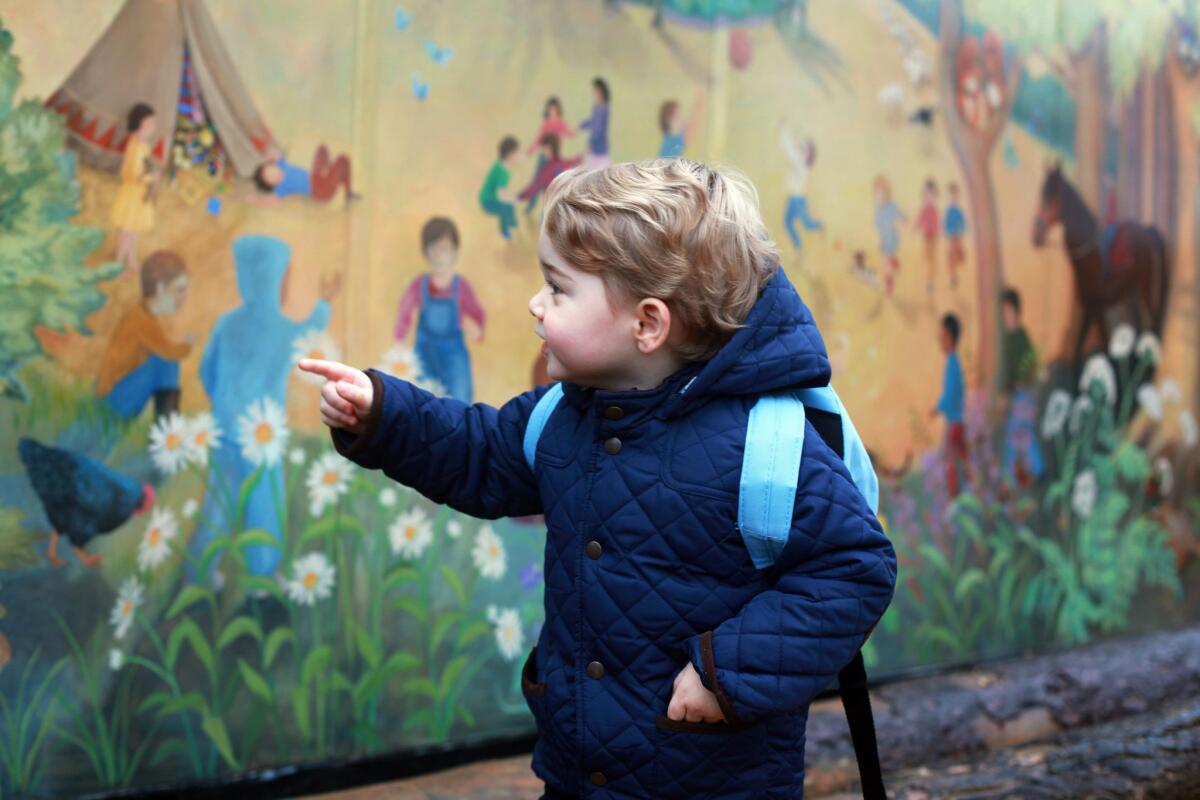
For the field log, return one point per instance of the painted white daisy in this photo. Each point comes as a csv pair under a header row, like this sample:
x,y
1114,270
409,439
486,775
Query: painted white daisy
x,y
1170,391
1120,344
1080,411
316,344
116,659
1187,429
411,533
1165,475
328,479
129,598
1149,348
510,639
168,443
202,436
155,545
1058,406
263,432
431,385
190,507
1083,494
454,529
312,579
297,456
401,362
488,554
1098,372
387,497
1149,402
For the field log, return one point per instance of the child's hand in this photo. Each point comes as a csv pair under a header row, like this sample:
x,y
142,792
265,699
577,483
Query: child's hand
x,y
690,701
346,397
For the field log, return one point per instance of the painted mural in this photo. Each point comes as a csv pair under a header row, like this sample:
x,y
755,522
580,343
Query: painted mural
x,y
989,206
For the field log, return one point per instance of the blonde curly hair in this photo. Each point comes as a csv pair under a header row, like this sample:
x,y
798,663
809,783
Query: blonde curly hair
x,y
672,229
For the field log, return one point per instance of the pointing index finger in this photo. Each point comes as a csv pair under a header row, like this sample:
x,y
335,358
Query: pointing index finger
x,y
331,370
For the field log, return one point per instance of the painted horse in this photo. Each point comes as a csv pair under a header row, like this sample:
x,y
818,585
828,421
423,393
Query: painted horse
x,y
1125,263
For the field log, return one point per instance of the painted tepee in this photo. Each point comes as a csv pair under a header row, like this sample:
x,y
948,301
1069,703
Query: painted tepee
x,y
140,58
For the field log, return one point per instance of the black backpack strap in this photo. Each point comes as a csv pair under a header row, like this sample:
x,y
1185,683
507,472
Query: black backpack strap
x,y
852,680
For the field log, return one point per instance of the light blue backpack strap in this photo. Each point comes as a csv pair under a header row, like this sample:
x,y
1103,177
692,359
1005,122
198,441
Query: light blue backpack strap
x,y
537,421
770,471
858,462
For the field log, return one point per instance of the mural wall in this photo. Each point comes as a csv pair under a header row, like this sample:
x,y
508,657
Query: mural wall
x,y
990,209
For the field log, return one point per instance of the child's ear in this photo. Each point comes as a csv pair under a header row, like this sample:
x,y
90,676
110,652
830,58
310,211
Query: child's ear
x,y
653,325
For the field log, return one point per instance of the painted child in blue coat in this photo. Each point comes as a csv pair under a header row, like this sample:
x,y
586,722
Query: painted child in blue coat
x,y
669,666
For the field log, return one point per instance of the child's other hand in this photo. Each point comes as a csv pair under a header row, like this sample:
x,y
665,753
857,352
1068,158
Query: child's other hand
x,y
346,397
690,701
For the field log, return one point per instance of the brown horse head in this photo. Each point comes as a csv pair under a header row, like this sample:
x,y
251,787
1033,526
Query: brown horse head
x,y
1049,211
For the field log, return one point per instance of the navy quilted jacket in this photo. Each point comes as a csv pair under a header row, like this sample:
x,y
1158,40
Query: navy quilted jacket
x,y
645,568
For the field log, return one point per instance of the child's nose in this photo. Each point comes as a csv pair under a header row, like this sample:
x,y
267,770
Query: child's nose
x,y
535,306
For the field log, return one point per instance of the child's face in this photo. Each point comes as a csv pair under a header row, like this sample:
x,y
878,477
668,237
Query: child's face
x,y
1011,318
675,124
170,296
953,193
588,340
148,127
442,255
273,174
597,94
946,341
552,112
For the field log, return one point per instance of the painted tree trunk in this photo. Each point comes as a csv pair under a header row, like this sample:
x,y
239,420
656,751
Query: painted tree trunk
x,y
1088,82
1184,247
1088,87
974,147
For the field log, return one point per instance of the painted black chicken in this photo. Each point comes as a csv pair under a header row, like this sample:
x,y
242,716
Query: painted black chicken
x,y
83,499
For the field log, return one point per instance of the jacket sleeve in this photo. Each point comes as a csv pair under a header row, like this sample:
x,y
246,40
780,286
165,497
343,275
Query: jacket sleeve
x,y
831,584
469,457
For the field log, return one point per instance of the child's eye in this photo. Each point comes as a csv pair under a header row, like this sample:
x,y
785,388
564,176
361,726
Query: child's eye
x,y
553,287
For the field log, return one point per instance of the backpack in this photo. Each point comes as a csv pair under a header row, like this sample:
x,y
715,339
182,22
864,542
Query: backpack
x,y
766,499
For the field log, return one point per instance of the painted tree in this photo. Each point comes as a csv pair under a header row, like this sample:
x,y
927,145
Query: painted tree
x,y
1072,42
976,90
43,281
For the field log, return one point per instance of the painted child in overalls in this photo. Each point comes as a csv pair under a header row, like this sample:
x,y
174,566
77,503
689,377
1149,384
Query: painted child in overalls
x,y
440,345
440,342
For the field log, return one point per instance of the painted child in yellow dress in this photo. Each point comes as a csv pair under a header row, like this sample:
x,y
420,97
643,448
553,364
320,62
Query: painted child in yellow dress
x,y
133,210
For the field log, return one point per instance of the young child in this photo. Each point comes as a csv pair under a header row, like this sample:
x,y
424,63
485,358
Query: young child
x,y
665,315
955,227
597,127
552,123
551,165
133,209
141,362
801,156
445,304
950,406
887,216
277,179
494,196
1023,462
676,132
926,224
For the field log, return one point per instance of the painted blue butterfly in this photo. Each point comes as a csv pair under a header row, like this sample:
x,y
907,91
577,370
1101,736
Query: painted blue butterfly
x,y
420,90
438,55
402,19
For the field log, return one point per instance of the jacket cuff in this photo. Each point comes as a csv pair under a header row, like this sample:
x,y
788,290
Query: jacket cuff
x,y
354,446
705,665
